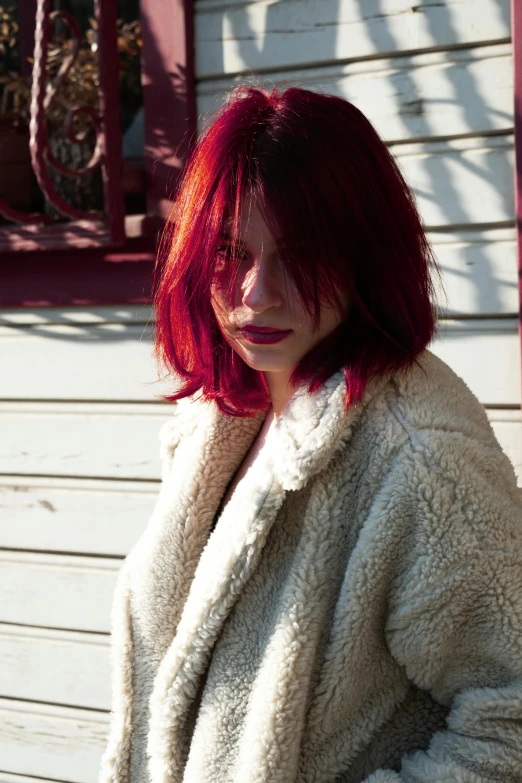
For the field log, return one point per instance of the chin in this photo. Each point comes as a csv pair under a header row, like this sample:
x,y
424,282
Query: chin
x,y
268,364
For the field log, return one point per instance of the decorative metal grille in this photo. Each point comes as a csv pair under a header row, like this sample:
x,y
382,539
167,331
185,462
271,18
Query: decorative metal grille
x,y
85,227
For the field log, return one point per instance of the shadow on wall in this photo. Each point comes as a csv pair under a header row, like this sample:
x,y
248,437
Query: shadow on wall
x,y
446,113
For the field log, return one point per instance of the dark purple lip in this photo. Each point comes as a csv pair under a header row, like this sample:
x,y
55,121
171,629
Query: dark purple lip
x,y
262,329
264,336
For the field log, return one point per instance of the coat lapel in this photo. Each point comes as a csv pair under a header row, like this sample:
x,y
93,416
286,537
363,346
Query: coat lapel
x,y
165,558
310,430
219,567
201,450
185,583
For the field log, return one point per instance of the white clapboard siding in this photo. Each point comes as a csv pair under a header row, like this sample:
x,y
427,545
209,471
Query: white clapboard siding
x,y
47,741
58,667
57,591
80,315
107,440
269,35
479,271
507,425
460,181
69,668
81,439
74,515
486,354
11,777
398,94
92,361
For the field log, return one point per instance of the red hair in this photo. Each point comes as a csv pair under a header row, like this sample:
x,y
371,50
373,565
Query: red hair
x,y
326,185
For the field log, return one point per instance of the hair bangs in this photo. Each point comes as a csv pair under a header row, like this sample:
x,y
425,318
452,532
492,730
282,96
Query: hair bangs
x,y
300,228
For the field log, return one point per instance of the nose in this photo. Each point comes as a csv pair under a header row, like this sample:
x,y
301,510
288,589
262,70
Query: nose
x,y
260,287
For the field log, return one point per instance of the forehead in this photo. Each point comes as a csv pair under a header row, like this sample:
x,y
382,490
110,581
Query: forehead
x,y
249,212
251,225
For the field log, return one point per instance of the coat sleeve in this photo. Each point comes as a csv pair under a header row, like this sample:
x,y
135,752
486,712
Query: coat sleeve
x,y
454,619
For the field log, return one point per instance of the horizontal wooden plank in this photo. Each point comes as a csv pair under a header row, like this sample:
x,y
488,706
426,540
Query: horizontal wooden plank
x,y
397,94
59,743
268,35
100,362
93,361
57,591
461,181
78,516
486,354
79,316
59,667
87,440
11,777
479,271
102,440
507,425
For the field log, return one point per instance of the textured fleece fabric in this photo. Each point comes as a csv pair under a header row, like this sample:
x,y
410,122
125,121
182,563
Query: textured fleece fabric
x,y
356,614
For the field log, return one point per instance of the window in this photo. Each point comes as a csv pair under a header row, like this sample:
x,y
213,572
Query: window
x,y
121,123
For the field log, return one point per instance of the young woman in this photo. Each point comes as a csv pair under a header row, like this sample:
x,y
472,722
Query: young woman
x,y
329,589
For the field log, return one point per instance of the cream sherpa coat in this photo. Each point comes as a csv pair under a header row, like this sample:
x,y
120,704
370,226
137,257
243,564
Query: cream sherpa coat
x,y
356,615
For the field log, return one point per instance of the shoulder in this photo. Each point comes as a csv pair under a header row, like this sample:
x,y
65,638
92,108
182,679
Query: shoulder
x,y
431,396
449,472
422,427
428,404
186,415
443,496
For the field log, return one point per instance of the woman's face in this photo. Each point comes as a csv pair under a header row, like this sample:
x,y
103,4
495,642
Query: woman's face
x,y
264,320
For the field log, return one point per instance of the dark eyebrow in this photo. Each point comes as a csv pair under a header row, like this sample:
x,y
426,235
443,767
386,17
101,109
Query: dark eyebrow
x,y
227,237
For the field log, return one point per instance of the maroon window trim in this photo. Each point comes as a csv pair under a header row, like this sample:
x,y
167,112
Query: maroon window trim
x,y
110,111
26,18
42,272
101,276
168,96
516,25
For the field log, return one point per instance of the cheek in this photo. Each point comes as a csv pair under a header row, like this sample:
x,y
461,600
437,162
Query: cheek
x,y
221,285
294,305
330,320
220,302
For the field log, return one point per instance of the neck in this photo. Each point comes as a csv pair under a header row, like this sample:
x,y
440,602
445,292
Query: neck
x,y
279,389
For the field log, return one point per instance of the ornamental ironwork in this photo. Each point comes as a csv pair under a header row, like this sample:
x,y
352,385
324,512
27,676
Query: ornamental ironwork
x,y
103,120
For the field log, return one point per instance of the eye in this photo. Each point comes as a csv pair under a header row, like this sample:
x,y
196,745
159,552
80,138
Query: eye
x,y
225,254
224,251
